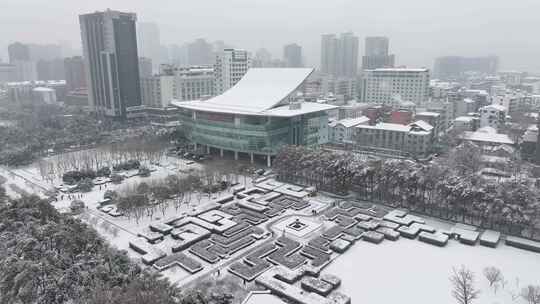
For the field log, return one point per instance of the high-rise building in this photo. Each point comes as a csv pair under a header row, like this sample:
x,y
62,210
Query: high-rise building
x,y
148,42
24,67
229,67
18,52
376,54
339,56
329,51
74,70
388,86
200,52
111,61
450,67
292,55
145,67
52,69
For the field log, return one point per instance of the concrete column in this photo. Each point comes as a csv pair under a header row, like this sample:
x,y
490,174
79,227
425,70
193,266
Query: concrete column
x,y
195,146
268,160
235,155
251,157
221,153
207,149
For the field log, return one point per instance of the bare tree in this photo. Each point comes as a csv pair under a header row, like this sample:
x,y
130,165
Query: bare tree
x,y
531,294
463,289
493,275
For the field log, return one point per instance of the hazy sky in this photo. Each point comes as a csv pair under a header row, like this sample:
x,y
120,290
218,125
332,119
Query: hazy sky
x,y
419,30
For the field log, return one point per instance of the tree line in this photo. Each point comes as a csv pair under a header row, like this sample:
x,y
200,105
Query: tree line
x,y
443,189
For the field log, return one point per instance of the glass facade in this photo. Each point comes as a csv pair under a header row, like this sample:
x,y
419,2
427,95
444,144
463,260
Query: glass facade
x,y
252,134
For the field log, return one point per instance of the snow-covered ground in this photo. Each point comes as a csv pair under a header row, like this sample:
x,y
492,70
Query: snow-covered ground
x,y
410,271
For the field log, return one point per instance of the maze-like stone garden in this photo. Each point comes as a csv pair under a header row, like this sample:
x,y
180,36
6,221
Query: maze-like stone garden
x,y
267,234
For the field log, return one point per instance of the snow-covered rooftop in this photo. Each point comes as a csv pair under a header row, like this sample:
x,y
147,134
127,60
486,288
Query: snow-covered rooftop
x,y
427,113
400,128
464,118
42,89
495,107
351,122
495,138
259,90
423,125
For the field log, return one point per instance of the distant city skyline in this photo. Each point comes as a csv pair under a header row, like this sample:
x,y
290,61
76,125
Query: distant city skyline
x,y
419,30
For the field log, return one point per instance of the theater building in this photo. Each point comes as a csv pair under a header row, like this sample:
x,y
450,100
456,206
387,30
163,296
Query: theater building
x,y
260,114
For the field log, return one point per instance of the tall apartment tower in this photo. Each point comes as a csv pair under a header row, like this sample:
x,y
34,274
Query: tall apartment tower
x,y
111,63
229,67
292,55
339,56
74,69
24,67
149,43
376,54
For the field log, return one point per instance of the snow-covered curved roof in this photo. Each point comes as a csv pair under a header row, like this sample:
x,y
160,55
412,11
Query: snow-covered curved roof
x,y
259,90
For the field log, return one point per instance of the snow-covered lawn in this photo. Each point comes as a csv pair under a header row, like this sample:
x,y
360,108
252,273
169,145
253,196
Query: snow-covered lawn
x,y
410,271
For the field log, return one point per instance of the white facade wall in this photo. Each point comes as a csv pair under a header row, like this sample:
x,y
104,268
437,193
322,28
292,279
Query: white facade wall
x,y
229,67
382,85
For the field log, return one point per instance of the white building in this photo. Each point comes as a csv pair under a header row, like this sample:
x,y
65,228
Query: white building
x,y
229,67
512,101
492,116
42,95
381,85
192,83
464,106
343,131
465,123
415,138
157,91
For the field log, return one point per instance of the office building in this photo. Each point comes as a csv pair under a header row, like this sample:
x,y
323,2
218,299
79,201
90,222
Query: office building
x,y
292,55
157,91
255,119
145,67
339,56
74,71
193,83
383,85
149,43
111,61
376,54
414,139
229,67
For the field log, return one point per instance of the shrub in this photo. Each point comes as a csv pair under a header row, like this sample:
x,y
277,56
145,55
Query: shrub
x,y
116,178
127,165
85,185
144,172
105,171
73,177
